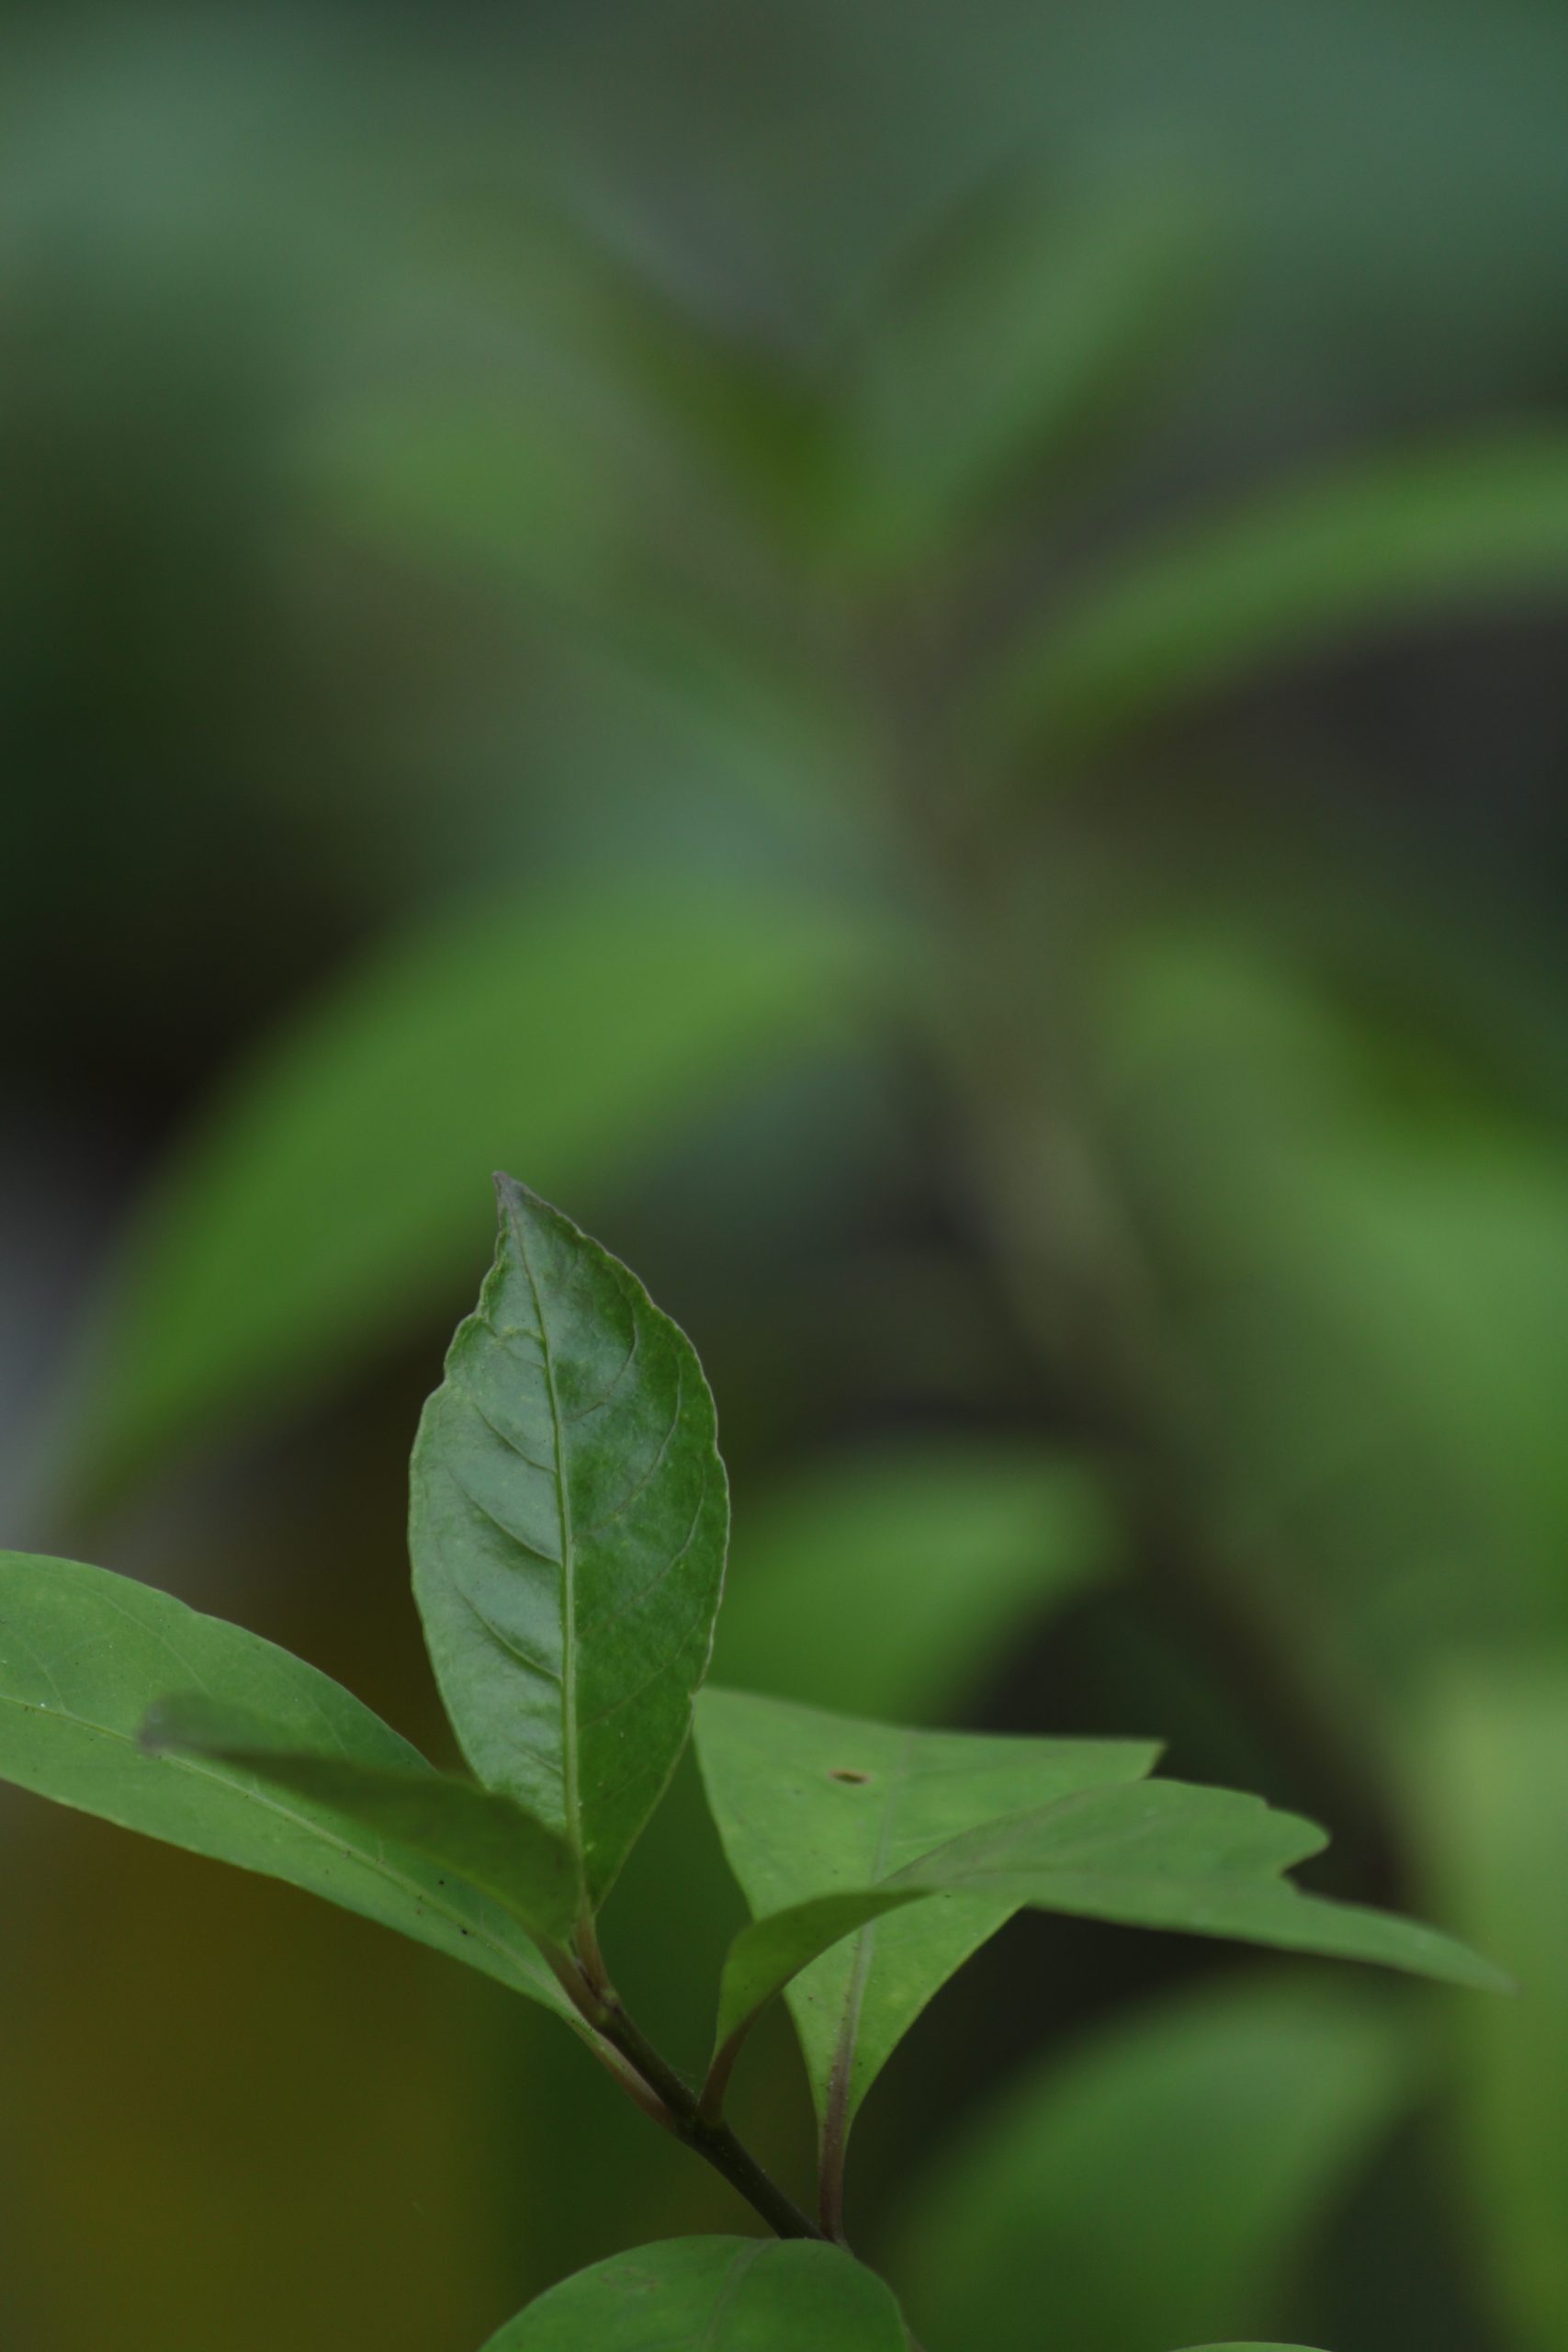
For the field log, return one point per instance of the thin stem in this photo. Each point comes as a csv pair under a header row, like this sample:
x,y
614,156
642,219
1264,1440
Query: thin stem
x,y
660,2091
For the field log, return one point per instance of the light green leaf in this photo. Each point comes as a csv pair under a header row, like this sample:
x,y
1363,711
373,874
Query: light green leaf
x,y
1384,542
811,1805
568,1522
926,1562
1007,349
85,1655
327,1199
1204,1861
723,2294
1163,2180
1493,1777
475,1833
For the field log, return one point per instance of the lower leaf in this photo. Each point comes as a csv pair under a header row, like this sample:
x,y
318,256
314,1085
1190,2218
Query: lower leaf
x,y
723,2294
85,1655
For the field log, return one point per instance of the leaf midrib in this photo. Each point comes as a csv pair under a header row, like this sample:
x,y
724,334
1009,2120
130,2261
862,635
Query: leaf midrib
x,y
571,1790
377,1863
836,2110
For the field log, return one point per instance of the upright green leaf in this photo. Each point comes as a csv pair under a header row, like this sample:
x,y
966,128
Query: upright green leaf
x,y
925,1560
1494,1785
810,1804
1164,2180
568,1522
719,2294
84,1656
326,1199
1385,541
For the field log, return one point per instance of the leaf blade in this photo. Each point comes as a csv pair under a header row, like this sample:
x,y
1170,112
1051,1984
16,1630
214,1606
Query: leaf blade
x,y
471,1832
1381,541
726,2294
84,1655
862,1799
543,1573
1213,2133
307,1216
1197,1861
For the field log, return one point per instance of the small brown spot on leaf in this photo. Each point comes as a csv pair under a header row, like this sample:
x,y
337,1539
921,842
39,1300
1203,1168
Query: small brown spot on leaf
x,y
844,1773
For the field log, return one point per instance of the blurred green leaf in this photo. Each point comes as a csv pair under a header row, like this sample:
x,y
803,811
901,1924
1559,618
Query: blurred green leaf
x,y
1379,544
477,1834
927,1562
809,1804
1016,340
85,1657
1494,1779
1367,1249
725,2294
1160,2182
567,1524
326,1200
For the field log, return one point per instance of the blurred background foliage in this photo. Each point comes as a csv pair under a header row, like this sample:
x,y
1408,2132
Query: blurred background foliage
x,y
915,655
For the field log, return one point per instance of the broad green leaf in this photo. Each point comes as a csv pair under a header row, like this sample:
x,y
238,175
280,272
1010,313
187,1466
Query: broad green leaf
x,y
1007,349
1384,542
85,1656
811,1805
926,1562
1204,1861
1158,1854
326,1200
476,1833
719,2294
568,1521
1494,1779
1165,2179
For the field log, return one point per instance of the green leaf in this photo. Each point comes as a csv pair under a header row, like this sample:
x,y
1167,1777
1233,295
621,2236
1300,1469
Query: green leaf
x,y
925,1562
723,2294
1005,349
568,1522
476,1833
1204,1861
325,1202
84,1656
1495,1782
1164,2179
1382,542
811,1805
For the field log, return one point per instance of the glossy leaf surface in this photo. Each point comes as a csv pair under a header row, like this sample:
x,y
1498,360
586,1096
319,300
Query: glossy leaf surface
x,y
811,1805
1408,538
471,1832
722,2294
84,1655
328,1198
568,1526
1165,2179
